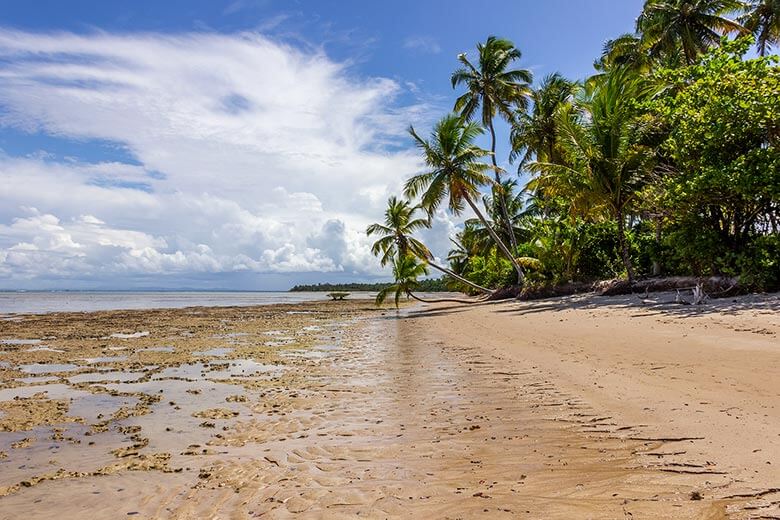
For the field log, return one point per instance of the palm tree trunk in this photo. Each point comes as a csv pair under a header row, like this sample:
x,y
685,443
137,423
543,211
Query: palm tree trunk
x,y
502,199
657,259
449,272
498,241
624,246
441,300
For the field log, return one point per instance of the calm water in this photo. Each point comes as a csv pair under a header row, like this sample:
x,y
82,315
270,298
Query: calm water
x,y
42,302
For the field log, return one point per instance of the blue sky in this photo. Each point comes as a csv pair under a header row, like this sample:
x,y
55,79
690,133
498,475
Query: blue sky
x,y
241,144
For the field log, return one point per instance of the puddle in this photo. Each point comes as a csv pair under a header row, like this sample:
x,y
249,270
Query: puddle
x,y
186,371
34,380
43,368
122,335
16,341
218,370
104,359
43,349
214,352
5,364
81,403
275,332
96,377
170,427
231,335
240,368
156,349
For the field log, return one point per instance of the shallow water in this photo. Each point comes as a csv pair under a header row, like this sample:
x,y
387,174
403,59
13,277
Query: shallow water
x,y
104,359
43,349
43,368
132,335
95,377
39,302
156,349
16,341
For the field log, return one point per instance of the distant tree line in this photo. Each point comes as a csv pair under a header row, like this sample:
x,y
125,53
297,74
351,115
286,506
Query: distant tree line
x,y
426,285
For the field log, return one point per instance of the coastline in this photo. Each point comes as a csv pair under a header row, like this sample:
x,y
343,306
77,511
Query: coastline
x,y
536,409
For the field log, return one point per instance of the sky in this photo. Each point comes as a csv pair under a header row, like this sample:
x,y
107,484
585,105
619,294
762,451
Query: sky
x,y
241,144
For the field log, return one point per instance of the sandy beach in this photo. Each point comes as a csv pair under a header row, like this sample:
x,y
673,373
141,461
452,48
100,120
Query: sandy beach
x,y
579,407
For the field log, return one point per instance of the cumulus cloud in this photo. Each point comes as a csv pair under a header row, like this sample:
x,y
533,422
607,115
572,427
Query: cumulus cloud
x,y
247,155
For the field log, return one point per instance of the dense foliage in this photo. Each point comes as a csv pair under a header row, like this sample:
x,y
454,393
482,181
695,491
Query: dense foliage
x,y
665,161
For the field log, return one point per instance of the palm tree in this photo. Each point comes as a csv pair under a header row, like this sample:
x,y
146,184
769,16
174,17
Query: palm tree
x,y
627,50
456,173
395,233
396,240
495,89
406,270
762,18
605,167
515,204
535,134
692,25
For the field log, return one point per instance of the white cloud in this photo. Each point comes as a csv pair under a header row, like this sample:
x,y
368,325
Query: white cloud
x,y
424,44
249,155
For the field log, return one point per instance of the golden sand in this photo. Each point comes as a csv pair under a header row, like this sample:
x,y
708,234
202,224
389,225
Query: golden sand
x,y
564,409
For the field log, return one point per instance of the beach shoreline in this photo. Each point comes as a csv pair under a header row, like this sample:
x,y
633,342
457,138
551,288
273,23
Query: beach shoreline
x,y
580,407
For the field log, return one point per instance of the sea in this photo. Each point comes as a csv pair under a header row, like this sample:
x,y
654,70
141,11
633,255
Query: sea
x,y
41,302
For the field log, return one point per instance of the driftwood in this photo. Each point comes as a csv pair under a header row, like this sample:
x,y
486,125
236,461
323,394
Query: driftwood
x,y
702,288
537,292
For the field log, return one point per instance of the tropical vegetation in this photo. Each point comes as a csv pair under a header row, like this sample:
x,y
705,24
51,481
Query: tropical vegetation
x,y
665,161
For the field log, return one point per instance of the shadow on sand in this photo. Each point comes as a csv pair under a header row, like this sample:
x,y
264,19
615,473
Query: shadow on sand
x,y
662,303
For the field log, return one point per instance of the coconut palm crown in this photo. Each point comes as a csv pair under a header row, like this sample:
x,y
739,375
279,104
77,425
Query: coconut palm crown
x,y
691,25
395,233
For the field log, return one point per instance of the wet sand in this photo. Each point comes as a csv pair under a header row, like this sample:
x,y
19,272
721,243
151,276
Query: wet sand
x,y
561,409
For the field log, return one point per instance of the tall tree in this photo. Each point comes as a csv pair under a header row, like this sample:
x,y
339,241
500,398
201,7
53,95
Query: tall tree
x,y
455,173
762,18
493,89
605,167
535,133
691,25
395,238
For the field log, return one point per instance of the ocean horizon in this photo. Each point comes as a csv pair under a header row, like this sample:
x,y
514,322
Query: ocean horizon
x,y
42,301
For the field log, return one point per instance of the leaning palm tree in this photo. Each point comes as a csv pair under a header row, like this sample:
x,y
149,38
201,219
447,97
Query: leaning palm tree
x,y
395,238
605,166
762,18
406,270
456,173
535,134
691,25
515,204
493,90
